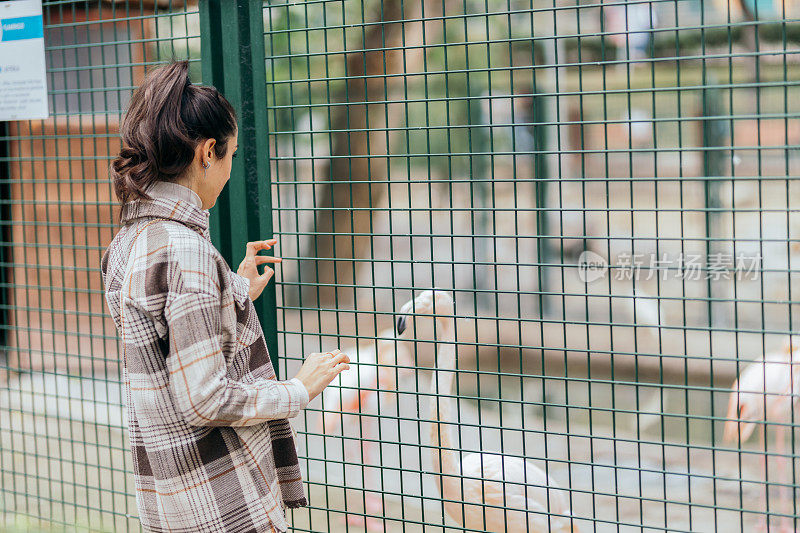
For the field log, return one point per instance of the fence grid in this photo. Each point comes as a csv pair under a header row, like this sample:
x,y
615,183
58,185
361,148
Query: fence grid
x,y
602,194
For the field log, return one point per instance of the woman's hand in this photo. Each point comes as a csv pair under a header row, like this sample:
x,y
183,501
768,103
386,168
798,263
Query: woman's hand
x,y
248,268
319,369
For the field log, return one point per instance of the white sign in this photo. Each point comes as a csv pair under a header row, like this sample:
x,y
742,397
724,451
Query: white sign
x,y
23,79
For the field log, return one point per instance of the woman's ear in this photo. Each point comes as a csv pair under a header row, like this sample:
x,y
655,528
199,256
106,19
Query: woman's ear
x,y
208,149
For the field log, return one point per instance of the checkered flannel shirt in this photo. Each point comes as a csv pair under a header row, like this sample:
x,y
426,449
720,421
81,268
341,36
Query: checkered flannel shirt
x,y
212,447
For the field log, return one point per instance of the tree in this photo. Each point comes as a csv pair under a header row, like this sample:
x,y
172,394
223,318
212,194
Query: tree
x,y
358,168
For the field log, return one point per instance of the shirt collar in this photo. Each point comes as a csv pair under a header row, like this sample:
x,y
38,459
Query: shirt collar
x,y
167,189
169,201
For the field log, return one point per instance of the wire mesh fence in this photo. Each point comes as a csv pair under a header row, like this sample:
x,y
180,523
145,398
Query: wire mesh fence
x,y
602,193
64,456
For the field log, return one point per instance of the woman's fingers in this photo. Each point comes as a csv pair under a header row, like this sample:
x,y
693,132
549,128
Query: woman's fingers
x,y
246,261
251,248
341,367
320,369
261,259
254,246
340,358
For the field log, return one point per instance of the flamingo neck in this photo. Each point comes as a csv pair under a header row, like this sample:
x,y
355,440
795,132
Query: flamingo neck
x,y
445,459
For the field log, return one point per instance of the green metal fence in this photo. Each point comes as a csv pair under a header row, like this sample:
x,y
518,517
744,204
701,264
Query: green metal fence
x,y
64,457
607,192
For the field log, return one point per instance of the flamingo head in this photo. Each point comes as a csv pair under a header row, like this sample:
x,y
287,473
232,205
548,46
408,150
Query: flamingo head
x,y
434,302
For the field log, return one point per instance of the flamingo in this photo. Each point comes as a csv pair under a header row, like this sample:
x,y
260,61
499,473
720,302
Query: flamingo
x,y
351,391
355,393
766,391
485,491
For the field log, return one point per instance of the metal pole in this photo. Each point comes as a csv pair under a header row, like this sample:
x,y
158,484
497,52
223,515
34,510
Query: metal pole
x,y
714,135
478,174
540,181
232,43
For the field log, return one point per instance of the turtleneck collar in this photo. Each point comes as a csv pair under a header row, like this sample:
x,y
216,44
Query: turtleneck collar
x,y
169,201
166,189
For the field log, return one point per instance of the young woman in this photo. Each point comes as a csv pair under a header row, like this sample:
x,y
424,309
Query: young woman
x,y
212,447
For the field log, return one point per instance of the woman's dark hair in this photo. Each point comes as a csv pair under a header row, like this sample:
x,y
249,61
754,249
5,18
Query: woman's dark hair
x,y
166,119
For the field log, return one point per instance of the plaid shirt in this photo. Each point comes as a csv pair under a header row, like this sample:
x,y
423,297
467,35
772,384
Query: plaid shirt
x,y
212,447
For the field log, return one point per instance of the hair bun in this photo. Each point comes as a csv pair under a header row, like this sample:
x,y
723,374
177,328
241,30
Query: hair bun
x,y
162,128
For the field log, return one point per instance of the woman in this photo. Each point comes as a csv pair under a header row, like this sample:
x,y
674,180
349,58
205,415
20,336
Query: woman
x,y
212,447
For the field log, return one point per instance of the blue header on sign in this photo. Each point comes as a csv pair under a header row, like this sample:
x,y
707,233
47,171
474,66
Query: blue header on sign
x,y
21,28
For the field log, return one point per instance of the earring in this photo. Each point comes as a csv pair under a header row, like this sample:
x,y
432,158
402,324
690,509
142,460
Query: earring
x,y
206,164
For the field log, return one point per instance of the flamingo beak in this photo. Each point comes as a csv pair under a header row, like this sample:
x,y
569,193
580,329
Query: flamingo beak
x,y
401,325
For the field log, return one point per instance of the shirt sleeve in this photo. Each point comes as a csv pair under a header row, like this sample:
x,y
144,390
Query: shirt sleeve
x,y
197,370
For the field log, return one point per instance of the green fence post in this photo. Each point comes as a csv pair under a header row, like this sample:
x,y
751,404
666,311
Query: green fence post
x,y
714,131
232,43
212,74
541,175
478,174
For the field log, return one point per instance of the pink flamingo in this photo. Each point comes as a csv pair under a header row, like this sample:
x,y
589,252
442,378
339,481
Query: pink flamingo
x,y
766,391
485,491
352,394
